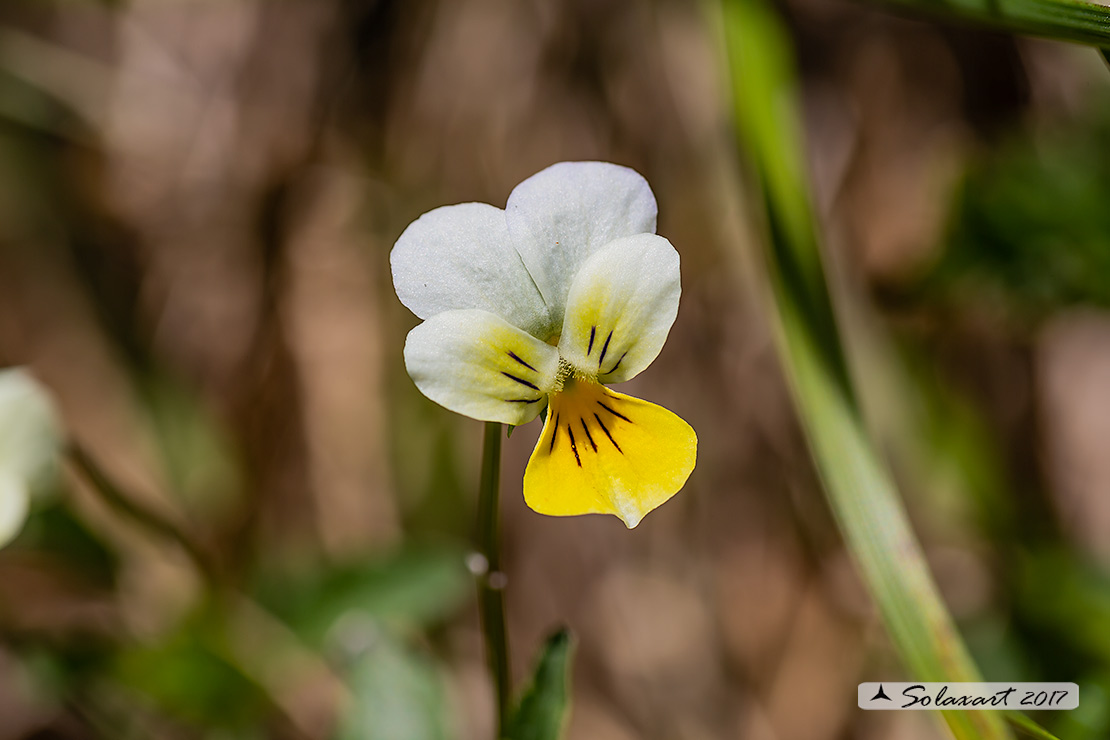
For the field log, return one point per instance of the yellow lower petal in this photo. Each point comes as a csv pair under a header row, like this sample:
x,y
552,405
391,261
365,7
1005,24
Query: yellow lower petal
x,y
603,452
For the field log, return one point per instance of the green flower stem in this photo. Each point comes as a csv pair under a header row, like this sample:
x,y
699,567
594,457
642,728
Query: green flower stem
x,y
859,488
491,582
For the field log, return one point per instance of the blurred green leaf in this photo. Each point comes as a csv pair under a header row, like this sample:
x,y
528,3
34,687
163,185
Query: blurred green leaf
x,y
541,711
1067,601
414,586
397,693
1030,227
189,677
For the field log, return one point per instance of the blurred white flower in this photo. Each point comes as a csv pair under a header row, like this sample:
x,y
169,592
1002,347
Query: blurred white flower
x,y
29,436
543,304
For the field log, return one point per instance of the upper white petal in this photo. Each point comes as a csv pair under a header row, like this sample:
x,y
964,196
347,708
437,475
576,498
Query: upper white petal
x,y
621,307
563,214
477,364
461,256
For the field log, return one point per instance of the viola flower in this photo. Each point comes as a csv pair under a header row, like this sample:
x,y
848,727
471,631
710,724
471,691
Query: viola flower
x,y
542,305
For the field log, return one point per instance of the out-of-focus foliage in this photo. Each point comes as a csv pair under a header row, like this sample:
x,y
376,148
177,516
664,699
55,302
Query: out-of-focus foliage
x,y
191,676
396,693
1028,239
413,587
1031,226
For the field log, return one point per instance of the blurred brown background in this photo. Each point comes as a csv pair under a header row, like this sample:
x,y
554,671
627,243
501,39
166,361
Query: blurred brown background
x,y
197,203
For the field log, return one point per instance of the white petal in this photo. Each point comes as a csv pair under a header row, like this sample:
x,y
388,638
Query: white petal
x,y
621,307
13,507
461,256
560,216
477,364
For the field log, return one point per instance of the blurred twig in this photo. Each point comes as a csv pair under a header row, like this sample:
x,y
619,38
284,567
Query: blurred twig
x,y
78,80
129,506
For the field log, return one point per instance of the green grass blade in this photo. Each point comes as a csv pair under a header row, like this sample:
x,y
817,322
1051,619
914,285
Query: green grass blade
x,y
1028,728
858,485
1064,20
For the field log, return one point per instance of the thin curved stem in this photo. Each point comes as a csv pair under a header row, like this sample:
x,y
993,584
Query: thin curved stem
x,y
128,505
491,580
